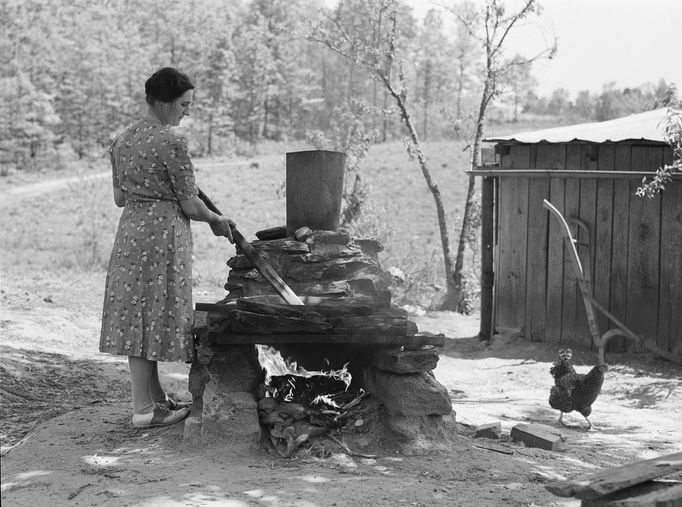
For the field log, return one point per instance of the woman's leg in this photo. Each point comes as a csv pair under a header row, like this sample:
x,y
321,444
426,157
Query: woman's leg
x,y
159,395
156,391
146,413
141,375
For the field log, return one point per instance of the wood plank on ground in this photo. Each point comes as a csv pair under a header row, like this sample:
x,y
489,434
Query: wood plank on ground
x,y
660,493
607,481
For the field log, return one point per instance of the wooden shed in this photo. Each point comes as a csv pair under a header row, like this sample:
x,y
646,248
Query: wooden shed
x,y
591,172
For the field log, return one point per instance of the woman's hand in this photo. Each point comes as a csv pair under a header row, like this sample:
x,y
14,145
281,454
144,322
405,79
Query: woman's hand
x,y
223,227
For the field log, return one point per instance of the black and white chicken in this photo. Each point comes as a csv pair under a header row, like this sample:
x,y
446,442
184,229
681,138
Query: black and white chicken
x,y
574,391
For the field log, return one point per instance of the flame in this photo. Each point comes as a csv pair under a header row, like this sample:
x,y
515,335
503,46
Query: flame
x,y
275,365
325,399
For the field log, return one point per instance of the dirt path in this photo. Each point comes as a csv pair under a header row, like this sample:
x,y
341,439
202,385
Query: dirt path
x,y
81,450
13,192
66,437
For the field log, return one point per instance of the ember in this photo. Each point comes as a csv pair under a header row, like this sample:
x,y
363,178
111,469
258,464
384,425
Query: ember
x,y
298,404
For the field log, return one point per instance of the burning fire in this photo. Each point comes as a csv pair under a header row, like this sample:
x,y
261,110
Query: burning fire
x,y
275,365
298,404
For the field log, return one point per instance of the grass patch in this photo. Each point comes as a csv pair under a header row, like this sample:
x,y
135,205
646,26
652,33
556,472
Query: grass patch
x,y
73,228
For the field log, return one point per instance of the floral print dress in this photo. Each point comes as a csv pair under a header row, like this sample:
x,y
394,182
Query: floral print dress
x,y
148,295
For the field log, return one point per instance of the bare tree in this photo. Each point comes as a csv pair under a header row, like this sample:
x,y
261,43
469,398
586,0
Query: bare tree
x,y
377,52
490,26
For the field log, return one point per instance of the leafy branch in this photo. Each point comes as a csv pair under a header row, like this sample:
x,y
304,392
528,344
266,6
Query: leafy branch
x,y
672,133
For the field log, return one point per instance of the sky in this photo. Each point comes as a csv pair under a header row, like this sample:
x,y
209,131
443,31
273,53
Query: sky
x,y
629,42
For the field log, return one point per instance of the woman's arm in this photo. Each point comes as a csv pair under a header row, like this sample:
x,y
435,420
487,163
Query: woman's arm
x,y
195,209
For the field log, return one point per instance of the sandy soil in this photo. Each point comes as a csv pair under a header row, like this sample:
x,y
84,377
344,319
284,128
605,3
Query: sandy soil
x,y
67,438
66,435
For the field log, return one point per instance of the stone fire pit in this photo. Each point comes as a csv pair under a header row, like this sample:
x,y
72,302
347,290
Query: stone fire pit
x,y
347,327
347,320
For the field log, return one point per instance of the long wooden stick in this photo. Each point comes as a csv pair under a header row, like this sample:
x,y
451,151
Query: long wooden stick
x,y
256,259
348,451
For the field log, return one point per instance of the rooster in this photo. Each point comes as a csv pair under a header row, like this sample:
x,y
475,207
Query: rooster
x,y
574,391
562,366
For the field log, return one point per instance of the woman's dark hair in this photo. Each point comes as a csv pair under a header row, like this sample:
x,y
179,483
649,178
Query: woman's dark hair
x,y
166,85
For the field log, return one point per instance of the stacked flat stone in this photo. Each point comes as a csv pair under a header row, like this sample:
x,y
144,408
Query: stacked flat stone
x,y
323,264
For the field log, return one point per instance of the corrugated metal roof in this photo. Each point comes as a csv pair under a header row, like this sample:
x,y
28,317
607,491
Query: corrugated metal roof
x,y
643,126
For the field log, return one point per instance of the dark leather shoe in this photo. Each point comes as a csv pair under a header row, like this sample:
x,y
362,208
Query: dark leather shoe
x,y
160,416
177,405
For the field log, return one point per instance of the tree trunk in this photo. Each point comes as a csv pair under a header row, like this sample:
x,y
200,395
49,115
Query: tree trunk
x,y
427,84
460,91
435,191
458,277
209,136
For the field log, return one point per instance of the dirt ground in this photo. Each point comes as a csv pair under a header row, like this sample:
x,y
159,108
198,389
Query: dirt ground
x,y
67,439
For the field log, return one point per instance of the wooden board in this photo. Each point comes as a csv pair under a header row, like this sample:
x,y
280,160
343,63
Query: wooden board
x,y
614,479
258,319
656,493
536,264
555,248
643,251
357,339
587,207
619,238
512,229
570,296
670,313
603,232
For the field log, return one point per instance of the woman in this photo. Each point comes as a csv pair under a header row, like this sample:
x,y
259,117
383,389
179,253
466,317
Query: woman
x,y
148,295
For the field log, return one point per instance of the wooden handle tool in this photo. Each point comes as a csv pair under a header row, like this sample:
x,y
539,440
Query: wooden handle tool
x,y
257,260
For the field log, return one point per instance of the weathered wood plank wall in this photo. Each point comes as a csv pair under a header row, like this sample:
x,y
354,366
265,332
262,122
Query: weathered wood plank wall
x,y
536,266
619,243
670,295
604,231
511,281
555,249
643,251
635,244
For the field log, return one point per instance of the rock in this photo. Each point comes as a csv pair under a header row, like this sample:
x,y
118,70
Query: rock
x,y
231,416
303,233
398,360
294,410
490,430
369,246
272,233
418,434
416,394
312,430
267,404
271,418
223,406
323,237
